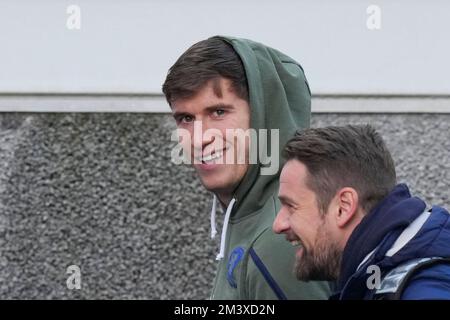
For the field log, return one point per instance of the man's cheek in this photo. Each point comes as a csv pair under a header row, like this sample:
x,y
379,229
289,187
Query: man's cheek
x,y
185,142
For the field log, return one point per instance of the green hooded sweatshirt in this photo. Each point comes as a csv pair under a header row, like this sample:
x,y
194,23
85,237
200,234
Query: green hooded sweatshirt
x,y
256,263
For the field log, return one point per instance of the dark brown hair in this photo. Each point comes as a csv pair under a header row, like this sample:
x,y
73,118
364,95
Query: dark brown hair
x,y
206,60
348,156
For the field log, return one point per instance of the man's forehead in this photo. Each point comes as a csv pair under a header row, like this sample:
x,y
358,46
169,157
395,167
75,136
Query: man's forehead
x,y
290,169
285,193
200,100
293,175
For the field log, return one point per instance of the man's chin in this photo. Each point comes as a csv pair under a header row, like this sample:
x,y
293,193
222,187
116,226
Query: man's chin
x,y
313,275
307,269
213,185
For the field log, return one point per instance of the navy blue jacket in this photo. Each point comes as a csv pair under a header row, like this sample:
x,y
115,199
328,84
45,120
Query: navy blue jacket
x,y
376,235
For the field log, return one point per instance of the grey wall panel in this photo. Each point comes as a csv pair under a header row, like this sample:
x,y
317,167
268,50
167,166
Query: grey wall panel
x,y
99,191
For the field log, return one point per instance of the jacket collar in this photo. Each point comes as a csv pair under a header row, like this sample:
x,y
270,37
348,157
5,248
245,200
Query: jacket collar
x,y
379,228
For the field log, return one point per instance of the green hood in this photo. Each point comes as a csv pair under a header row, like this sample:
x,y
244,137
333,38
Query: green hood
x,y
256,263
280,98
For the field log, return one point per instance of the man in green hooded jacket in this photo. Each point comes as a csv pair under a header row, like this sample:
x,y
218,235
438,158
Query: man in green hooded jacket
x,y
222,85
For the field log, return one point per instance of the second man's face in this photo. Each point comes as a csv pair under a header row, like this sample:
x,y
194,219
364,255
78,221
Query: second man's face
x,y
220,159
309,230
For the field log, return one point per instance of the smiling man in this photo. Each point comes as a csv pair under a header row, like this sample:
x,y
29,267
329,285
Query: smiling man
x,y
222,85
350,222
216,109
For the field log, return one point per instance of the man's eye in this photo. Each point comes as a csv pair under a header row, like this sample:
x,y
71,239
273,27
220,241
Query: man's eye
x,y
219,112
290,206
186,119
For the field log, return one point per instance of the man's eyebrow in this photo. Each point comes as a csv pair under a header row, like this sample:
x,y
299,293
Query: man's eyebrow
x,y
285,199
219,106
210,108
178,114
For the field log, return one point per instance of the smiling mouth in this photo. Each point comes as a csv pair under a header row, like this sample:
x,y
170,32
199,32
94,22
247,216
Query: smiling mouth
x,y
210,158
296,243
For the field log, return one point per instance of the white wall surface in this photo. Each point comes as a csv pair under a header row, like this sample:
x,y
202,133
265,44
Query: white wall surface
x,y
126,46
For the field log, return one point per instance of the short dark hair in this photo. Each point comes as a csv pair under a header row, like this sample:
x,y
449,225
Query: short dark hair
x,y
206,60
348,156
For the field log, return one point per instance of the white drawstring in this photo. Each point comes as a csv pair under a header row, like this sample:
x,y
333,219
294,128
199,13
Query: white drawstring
x,y
223,238
213,218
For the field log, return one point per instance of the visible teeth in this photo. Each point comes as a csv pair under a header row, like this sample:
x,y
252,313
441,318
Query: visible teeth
x,y
211,157
296,243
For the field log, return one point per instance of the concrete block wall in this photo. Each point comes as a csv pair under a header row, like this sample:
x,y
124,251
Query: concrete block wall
x,y
99,191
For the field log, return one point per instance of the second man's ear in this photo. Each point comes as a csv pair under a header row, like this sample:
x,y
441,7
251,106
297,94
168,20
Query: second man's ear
x,y
347,202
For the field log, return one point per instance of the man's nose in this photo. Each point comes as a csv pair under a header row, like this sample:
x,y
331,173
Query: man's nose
x,y
200,140
281,223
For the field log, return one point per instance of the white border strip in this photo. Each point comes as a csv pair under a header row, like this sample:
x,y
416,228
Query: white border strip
x,y
381,104
146,103
83,103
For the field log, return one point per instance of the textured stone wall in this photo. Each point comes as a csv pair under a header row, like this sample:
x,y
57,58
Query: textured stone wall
x,y
99,191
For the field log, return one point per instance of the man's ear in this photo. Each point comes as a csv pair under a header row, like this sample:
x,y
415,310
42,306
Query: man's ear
x,y
347,203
